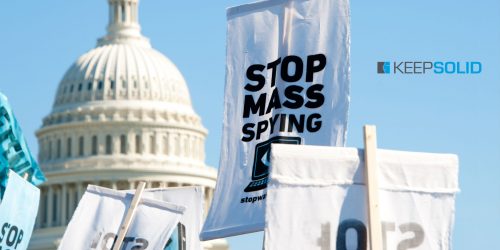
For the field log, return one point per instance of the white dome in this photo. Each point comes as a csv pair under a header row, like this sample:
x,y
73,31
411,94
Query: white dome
x,y
122,114
122,71
127,102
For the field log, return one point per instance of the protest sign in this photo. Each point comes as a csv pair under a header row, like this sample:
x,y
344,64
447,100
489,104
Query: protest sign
x,y
287,82
18,211
186,236
99,214
14,152
320,192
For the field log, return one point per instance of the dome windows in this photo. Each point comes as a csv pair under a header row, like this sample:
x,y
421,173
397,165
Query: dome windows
x,y
109,145
152,144
58,149
94,145
49,151
158,144
165,145
123,144
68,147
81,146
138,144
89,86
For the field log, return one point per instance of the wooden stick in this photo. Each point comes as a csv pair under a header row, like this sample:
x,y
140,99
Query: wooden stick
x,y
130,216
371,176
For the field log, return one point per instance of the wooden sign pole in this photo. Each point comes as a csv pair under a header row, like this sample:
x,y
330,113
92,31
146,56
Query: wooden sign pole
x,y
371,176
130,216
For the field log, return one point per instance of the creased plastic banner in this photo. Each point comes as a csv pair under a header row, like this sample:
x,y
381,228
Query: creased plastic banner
x,y
14,152
99,214
320,192
287,81
18,212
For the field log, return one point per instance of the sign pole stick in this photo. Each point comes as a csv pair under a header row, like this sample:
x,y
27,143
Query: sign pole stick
x,y
371,176
130,215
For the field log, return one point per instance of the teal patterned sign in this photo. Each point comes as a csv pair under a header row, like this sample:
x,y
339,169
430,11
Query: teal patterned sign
x,y
14,152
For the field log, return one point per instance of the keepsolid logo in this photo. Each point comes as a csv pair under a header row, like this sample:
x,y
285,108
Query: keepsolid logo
x,y
424,67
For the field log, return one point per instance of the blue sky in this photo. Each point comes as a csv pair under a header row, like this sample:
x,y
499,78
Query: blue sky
x,y
433,113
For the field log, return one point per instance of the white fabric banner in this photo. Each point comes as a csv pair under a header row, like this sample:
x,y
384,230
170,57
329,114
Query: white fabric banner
x,y
18,211
318,193
99,214
187,234
287,81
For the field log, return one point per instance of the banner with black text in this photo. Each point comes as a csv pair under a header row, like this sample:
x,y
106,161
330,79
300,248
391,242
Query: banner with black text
x,y
287,81
187,234
320,193
18,212
100,212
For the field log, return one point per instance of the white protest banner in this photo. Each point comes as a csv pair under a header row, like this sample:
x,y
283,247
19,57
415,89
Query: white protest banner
x,y
18,212
187,234
99,214
287,81
319,192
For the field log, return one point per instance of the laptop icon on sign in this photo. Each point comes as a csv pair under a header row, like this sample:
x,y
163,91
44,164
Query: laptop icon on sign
x,y
261,161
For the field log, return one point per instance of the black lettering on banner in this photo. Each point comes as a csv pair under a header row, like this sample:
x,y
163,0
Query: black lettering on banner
x,y
106,239
259,78
248,133
361,234
253,199
312,67
287,123
5,226
273,121
316,98
312,125
293,96
19,238
285,69
127,240
274,102
273,67
11,235
418,236
109,240
294,99
261,128
297,124
95,241
324,240
387,226
143,244
251,106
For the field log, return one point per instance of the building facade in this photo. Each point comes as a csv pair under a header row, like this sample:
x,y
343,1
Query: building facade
x,y
122,114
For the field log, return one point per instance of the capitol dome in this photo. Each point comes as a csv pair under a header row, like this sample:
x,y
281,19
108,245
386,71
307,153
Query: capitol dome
x,y
122,114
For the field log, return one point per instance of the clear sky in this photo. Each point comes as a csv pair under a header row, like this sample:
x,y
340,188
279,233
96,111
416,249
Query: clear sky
x,y
458,114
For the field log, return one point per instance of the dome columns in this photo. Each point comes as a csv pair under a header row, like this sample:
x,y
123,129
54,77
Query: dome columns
x,y
123,24
123,11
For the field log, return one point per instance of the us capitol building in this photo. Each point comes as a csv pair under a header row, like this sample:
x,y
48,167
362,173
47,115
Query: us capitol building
x,y
122,114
